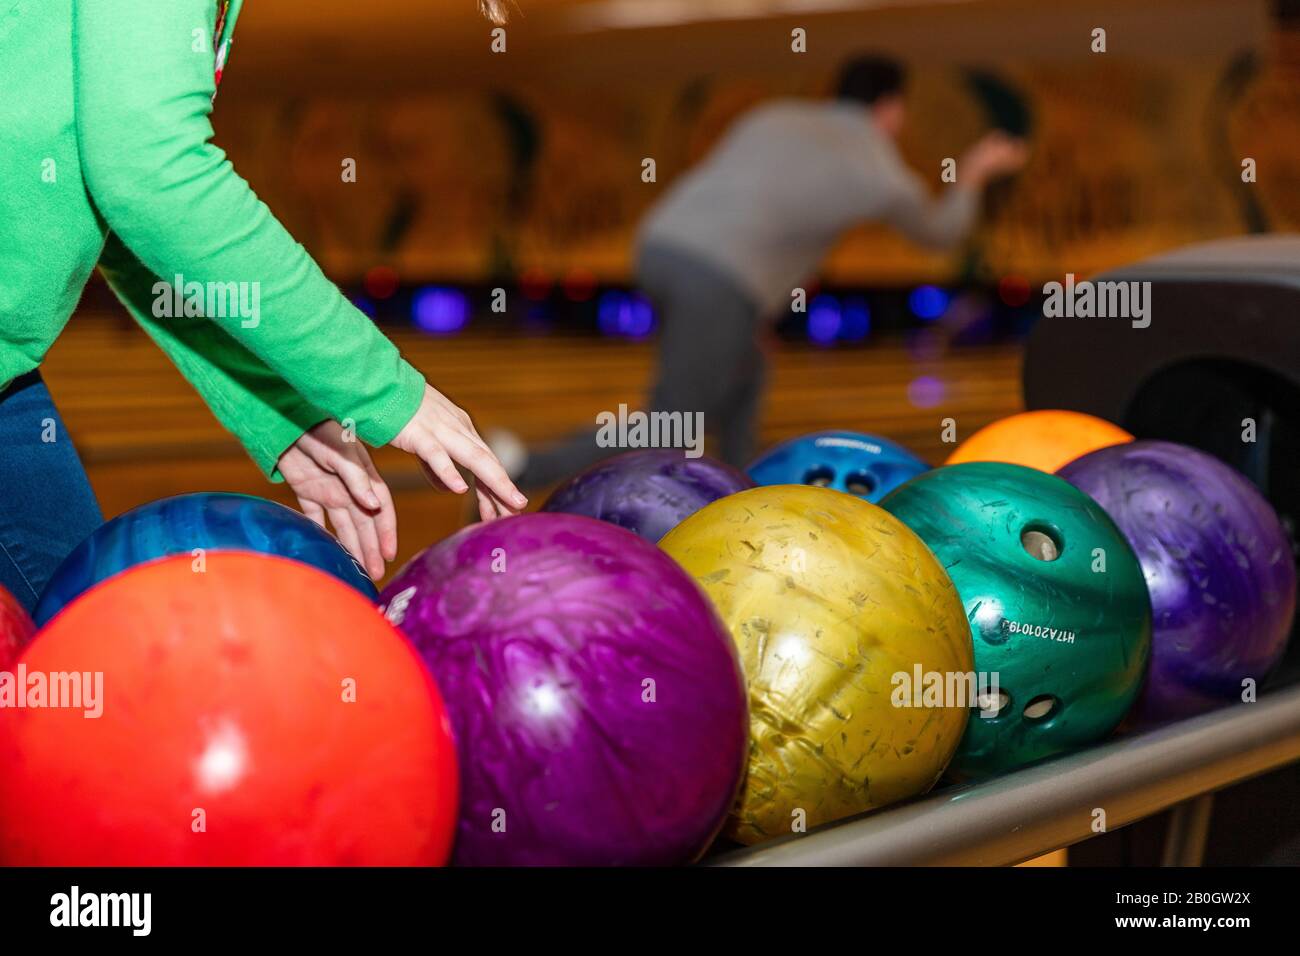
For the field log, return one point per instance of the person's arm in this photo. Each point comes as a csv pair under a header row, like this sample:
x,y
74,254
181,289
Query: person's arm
x,y
143,101
935,223
283,433
942,223
144,87
249,399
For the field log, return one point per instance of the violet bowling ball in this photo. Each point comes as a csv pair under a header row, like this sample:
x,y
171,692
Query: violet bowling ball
x,y
1217,563
648,492
598,701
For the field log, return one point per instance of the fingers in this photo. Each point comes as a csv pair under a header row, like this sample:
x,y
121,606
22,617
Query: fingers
x,y
358,482
475,456
341,483
369,535
439,467
382,510
487,508
385,520
346,531
356,531
313,511
442,435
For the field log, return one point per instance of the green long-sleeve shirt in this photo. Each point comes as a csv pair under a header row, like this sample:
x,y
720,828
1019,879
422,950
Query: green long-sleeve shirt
x,y
106,158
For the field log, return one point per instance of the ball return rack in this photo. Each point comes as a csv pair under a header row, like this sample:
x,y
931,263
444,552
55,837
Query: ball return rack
x,y
1221,346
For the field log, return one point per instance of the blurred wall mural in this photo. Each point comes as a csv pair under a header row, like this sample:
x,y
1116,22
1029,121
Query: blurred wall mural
x,y
1129,158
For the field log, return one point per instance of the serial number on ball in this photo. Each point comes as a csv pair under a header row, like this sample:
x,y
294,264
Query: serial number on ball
x,y
1056,634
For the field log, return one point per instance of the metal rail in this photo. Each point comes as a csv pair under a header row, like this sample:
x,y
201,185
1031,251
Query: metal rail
x,y
1051,805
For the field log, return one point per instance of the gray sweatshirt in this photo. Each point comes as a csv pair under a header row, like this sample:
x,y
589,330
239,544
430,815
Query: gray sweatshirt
x,y
786,180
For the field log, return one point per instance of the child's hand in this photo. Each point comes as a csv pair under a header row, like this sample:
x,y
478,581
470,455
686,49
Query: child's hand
x,y
442,436
334,477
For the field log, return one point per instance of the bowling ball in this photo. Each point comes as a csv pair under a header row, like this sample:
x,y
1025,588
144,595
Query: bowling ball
x,y
1055,601
1045,440
256,713
648,492
596,697
835,606
16,628
1217,563
861,465
212,521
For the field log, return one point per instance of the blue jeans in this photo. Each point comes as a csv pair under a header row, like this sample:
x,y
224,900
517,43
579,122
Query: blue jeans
x,y
46,505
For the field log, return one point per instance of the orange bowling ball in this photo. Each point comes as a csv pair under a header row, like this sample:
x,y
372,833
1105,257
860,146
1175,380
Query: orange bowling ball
x,y
253,712
16,628
1046,440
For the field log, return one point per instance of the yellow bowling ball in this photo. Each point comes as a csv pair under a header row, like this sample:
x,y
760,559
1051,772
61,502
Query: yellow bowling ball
x,y
830,599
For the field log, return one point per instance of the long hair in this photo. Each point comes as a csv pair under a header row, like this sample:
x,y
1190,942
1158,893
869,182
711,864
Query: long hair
x,y
498,11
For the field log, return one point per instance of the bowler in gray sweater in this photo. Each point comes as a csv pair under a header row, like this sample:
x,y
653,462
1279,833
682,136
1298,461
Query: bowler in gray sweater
x,y
731,240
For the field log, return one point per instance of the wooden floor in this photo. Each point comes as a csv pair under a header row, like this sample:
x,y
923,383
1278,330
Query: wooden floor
x,y
144,434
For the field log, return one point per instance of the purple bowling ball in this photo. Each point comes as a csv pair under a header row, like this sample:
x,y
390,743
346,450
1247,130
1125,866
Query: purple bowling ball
x,y
598,701
648,492
1218,568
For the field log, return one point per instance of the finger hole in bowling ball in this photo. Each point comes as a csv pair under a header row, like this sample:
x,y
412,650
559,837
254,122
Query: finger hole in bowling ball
x,y
1041,708
860,483
992,705
819,477
1041,542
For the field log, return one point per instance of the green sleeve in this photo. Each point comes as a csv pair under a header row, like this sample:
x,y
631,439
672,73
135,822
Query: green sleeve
x,y
247,397
143,77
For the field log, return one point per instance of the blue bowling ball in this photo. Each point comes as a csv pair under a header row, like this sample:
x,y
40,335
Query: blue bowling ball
x,y
858,464
212,521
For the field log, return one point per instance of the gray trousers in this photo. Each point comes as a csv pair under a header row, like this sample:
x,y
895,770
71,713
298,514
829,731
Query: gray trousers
x,y
710,361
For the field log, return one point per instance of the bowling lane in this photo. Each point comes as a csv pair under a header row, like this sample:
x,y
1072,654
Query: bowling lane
x,y
144,434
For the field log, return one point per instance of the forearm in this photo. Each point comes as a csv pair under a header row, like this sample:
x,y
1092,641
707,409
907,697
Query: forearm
x,y
247,397
938,223
175,201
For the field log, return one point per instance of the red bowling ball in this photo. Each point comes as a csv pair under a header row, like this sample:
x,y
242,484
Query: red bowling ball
x,y
16,628
257,712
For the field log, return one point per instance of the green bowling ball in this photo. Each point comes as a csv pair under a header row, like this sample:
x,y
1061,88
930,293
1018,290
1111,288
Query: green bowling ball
x,y
1056,602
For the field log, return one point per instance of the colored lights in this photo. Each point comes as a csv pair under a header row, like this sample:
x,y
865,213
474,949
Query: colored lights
x,y
535,285
928,302
855,320
621,314
1013,290
440,310
832,319
825,318
926,391
381,282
